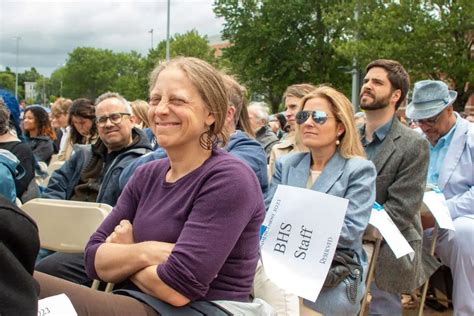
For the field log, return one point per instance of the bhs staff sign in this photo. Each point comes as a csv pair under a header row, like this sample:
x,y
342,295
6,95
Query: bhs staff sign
x,y
299,237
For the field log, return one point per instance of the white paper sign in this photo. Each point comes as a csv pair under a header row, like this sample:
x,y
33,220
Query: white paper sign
x,y
299,238
58,305
394,238
436,203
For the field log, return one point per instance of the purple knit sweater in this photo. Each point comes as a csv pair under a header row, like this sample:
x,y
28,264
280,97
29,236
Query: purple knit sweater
x,y
213,214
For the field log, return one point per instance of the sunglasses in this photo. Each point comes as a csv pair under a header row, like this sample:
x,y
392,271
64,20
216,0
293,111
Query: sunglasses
x,y
319,117
429,121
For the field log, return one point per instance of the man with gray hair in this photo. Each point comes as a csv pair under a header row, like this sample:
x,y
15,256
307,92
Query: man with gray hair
x,y
258,115
92,174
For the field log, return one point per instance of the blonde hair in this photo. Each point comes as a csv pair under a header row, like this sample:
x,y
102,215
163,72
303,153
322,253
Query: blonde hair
x,y
210,85
140,109
61,106
350,145
298,90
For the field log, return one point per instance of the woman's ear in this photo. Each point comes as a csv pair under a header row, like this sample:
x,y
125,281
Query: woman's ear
x,y
210,119
340,129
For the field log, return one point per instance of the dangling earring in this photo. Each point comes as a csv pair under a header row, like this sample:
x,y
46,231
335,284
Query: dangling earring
x,y
208,140
337,142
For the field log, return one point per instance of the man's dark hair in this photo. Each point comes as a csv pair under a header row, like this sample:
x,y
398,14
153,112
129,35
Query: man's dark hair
x,y
397,75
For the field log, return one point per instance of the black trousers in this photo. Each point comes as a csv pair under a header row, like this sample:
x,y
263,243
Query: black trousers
x,y
66,266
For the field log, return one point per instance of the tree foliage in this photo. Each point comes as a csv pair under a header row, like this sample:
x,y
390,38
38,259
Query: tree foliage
x,y
90,72
189,44
432,39
7,81
277,43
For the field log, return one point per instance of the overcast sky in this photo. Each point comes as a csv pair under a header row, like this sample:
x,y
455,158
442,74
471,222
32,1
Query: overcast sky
x,y
51,29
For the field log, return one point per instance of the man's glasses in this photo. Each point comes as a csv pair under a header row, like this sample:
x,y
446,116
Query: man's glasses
x,y
319,117
115,118
429,121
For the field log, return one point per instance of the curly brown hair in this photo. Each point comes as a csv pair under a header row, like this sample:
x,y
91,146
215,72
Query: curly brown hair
x,y
42,122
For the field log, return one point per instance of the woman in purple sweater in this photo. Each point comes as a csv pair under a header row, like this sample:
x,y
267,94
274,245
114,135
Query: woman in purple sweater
x,y
185,231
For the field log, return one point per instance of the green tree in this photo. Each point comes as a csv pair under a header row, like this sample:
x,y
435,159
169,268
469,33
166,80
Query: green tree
x,y
189,44
130,68
7,81
432,39
89,72
278,43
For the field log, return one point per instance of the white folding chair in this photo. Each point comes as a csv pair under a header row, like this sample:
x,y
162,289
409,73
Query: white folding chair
x,y
372,242
66,226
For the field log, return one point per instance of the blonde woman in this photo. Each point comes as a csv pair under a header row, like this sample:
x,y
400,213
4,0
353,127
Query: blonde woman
x,y
336,165
140,114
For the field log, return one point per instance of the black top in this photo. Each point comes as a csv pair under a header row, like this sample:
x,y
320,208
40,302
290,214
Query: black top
x,y
19,245
24,154
42,147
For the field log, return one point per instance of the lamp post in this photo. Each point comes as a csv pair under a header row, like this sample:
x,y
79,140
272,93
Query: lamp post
x,y
151,33
168,34
17,38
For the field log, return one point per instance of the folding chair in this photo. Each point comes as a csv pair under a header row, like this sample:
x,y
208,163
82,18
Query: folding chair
x,y
372,242
66,226
424,291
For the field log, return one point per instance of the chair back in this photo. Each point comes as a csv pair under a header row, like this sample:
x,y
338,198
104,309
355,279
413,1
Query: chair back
x,y
66,226
372,241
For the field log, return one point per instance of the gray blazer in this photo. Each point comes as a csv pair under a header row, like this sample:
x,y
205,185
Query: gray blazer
x,y
402,165
353,179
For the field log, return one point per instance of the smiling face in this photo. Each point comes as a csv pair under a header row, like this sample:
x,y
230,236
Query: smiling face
x,y
318,136
29,122
178,115
114,136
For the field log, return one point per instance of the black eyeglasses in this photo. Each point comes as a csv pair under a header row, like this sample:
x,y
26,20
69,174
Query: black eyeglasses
x,y
115,118
429,121
319,117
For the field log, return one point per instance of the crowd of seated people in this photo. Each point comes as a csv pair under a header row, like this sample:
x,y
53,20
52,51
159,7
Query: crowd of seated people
x,y
191,173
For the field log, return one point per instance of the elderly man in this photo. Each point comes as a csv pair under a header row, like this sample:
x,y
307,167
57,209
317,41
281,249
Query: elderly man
x,y
451,169
258,115
401,158
92,173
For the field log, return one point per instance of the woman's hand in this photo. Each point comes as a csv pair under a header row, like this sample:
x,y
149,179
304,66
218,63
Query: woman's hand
x,y
122,234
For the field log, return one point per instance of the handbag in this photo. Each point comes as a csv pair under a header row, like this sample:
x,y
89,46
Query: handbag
x,y
345,267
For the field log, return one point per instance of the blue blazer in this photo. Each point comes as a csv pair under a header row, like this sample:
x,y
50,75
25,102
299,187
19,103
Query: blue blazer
x,y
353,179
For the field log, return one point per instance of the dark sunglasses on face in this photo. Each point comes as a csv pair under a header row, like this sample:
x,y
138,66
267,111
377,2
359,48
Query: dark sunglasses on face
x,y
429,121
115,118
319,117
